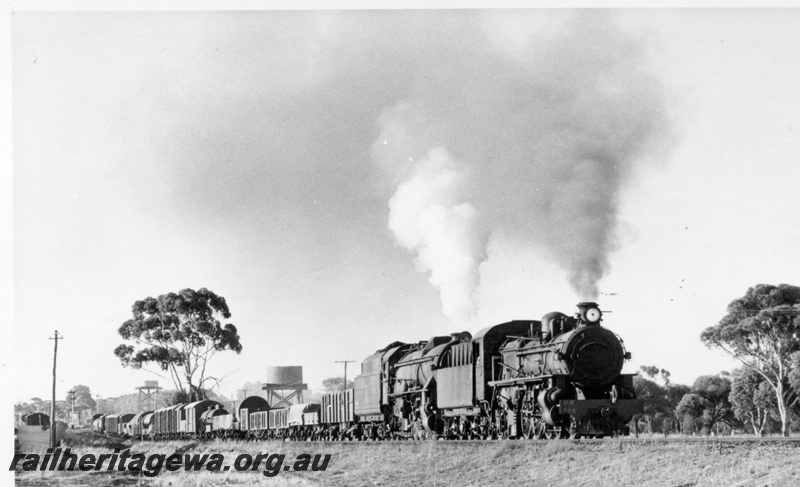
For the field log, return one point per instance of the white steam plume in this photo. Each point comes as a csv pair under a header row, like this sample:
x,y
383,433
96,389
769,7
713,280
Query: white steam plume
x,y
428,217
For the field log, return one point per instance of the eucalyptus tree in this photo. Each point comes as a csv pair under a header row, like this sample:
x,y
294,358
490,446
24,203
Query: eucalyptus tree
x,y
752,398
762,331
178,333
709,400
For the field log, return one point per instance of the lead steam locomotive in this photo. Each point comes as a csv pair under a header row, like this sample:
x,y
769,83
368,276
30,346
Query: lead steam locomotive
x,y
560,377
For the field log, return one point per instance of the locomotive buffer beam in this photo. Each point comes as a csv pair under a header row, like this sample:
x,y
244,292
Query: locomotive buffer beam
x,y
579,409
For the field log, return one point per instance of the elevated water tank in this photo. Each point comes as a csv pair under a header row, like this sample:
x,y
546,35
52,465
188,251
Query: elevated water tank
x,y
284,374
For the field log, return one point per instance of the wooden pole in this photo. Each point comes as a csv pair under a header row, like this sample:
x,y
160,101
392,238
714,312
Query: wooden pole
x,y
53,404
72,405
345,362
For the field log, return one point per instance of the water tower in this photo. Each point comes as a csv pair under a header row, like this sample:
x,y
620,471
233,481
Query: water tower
x,y
148,396
284,385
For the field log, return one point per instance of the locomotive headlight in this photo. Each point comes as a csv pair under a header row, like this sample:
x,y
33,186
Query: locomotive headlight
x,y
592,315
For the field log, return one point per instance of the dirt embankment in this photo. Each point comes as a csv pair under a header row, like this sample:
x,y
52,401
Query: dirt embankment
x,y
613,462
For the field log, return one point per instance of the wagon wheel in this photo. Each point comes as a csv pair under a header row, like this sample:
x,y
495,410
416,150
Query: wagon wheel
x,y
465,430
477,432
485,431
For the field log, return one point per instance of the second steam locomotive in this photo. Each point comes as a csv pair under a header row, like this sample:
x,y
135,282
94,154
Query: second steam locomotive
x,y
560,377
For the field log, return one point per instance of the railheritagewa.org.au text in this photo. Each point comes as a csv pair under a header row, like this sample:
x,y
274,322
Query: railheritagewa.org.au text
x,y
153,464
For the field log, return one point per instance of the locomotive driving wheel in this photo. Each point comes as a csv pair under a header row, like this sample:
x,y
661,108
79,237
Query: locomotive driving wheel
x,y
573,430
538,429
417,432
527,427
554,433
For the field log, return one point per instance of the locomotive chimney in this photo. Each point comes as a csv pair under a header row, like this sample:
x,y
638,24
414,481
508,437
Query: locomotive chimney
x,y
589,313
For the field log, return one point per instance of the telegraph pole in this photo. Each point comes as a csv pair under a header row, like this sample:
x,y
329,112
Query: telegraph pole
x,y
345,362
72,403
53,405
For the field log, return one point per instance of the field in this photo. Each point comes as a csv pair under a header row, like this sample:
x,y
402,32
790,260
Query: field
x,y
618,462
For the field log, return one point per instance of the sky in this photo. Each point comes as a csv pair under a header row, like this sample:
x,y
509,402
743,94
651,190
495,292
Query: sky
x,y
349,178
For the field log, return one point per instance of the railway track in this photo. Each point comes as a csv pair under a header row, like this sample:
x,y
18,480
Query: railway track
x,y
794,441
791,441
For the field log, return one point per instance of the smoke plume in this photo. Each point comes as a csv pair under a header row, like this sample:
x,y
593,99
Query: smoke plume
x,y
528,128
520,123
428,217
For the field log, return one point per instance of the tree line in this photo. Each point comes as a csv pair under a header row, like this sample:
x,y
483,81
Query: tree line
x,y
177,334
761,330
740,401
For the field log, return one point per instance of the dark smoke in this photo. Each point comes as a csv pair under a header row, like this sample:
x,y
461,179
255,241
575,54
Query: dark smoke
x,y
525,123
544,124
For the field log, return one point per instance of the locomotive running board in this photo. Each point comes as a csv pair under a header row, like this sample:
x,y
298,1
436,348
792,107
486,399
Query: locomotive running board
x,y
404,393
519,380
462,412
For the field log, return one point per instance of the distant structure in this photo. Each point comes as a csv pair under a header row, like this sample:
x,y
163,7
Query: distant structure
x,y
148,396
284,385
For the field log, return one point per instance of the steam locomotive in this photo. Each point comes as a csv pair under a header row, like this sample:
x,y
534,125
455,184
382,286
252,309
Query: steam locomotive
x,y
554,378
560,377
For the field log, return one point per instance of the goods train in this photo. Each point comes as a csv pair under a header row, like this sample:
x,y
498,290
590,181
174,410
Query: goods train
x,y
560,377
